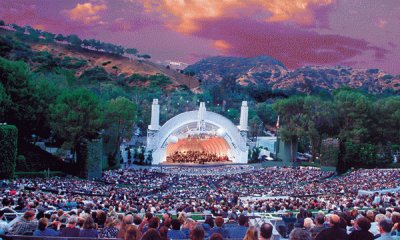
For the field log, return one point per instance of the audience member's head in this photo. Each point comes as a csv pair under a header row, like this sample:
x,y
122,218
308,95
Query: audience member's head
x,y
363,223
219,221
154,222
385,226
242,220
176,224
197,233
308,223
251,234
29,215
216,236
299,234
132,233
42,225
88,223
151,234
266,231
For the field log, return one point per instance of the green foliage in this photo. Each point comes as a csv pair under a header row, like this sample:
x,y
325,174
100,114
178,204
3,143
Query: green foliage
x,y
74,40
132,51
144,56
330,152
75,115
2,23
8,150
21,106
266,113
120,116
159,80
96,74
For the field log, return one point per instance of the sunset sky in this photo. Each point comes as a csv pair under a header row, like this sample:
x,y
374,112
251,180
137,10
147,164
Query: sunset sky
x,y
358,33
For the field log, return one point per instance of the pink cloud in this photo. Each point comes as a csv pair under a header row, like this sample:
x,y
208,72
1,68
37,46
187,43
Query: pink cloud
x,y
293,46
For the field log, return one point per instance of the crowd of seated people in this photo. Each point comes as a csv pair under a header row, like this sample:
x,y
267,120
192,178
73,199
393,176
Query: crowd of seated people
x,y
89,222
196,157
225,195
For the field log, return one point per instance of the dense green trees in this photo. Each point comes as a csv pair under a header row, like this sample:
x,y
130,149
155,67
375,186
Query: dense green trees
x,y
367,127
120,116
8,150
76,115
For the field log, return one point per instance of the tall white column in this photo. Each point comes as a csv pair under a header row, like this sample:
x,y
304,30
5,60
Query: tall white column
x,y
244,115
201,115
155,116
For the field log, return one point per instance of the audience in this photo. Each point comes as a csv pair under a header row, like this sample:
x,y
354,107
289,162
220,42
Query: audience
x,y
43,230
361,231
70,230
125,204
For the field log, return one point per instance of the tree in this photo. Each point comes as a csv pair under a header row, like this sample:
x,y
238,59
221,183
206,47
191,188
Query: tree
x,y
144,56
354,115
48,36
2,23
320,120
120,115
74,40
266,113
76,115
132,51
291,111
21,108
60,37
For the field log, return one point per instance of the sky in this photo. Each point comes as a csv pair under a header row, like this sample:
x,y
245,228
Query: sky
x,y
357,33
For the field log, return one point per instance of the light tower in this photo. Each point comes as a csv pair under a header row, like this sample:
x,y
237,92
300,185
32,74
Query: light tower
x,y
244,118
154,126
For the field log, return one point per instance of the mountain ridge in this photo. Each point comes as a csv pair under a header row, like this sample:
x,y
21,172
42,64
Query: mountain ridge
x,y
266,70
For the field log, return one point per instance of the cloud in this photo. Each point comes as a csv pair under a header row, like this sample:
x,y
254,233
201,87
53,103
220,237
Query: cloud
x,y
293,46
221,45
86,13
381,23
183,16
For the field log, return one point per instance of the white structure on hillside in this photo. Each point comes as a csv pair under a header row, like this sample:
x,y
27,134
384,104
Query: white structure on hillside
x,y
217,133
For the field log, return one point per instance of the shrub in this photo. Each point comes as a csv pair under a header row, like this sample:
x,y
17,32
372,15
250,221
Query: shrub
x,y
8,150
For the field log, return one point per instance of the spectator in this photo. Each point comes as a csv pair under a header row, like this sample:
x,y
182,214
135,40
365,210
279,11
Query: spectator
x,y
163,233
4,227
70,230
361,231
88,229
151,234
375,225
197,233
219,228
132,233
334,231
26,225
175,232
266,231
385,227
216,236
43,230
319,225
110,230
239,231
128,220
300,234
308,224
251,234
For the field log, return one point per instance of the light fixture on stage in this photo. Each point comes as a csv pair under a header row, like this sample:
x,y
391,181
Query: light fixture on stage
x,y
221,132
173,139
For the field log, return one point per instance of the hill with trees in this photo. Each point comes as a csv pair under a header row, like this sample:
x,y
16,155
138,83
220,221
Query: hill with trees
x,y
63,93
266,70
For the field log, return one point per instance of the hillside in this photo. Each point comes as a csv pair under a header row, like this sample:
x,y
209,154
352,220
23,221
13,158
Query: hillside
x,y
267,70
244,70
84,59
